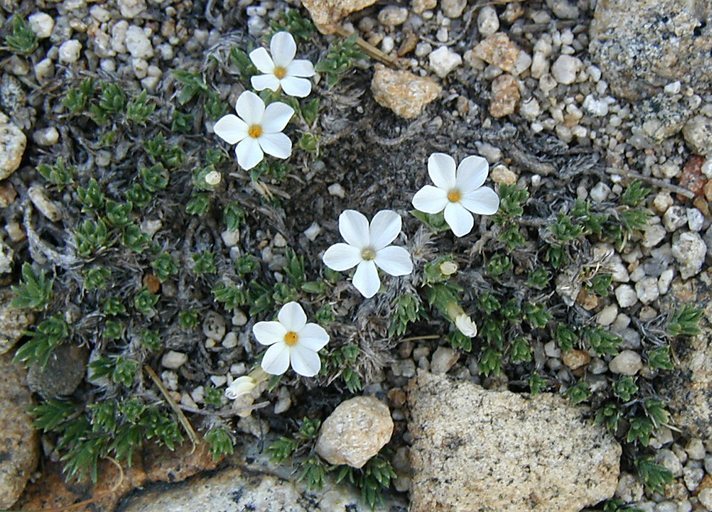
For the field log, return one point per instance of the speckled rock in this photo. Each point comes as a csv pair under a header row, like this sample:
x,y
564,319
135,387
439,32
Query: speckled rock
x,y
356,430
505,96
503,451
238,490
19,450
14,321
698,134
328,13
689,250
12,146
497,50
403,92
642,46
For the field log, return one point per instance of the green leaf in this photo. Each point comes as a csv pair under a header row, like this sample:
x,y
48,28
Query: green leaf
x,y
34,290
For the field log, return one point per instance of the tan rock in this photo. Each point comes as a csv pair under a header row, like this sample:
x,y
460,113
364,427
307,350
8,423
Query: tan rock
x,y
575,359
505,96
328,13
19,450
403,92
12,146
504,452
356,430
502,175
497,50
14,321
420,6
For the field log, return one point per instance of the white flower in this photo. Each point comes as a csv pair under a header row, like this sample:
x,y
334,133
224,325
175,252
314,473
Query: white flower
x,y
457,192
240,386
292,341
465,325
281,69
257,129
367,247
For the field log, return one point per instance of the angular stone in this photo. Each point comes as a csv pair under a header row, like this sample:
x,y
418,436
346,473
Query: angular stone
x,y
503,451
19,449
61,375
356,430
642,46
497,50
505,96
328,13
14,321
403,92
12,146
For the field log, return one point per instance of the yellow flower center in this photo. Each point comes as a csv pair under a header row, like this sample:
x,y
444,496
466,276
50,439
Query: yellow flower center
x,y
454,195
368,254
255,131
280,72
291,338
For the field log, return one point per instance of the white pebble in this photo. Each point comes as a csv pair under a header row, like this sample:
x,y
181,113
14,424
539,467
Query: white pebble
x,y
647,290
487,21
607,315
218,380
626,363
230,340
565,69
312,232
46,136
600,191
173,360
335,189
41,24
695,219
626,296
597,108
443,61
69,51
138,44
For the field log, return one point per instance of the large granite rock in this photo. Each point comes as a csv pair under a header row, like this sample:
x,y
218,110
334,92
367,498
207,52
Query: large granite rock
x,y
642,45
484,451
19,450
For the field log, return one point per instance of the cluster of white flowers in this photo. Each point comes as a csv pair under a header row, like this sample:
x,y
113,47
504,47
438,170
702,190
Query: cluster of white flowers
x,y
257,129
458,194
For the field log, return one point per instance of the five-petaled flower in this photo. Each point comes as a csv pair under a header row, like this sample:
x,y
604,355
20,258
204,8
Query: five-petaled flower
x,y
281,70
457,192
367,247
292,341
256,130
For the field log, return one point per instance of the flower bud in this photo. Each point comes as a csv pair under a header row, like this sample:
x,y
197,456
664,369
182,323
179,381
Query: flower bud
x,y
466,326
448,268
213,178
240,386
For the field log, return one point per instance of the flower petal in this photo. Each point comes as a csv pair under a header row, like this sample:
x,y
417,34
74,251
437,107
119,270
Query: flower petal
x,y
250,108
297,87
262,82
366,279
276,144
269,333
240,386
471,173
304,361
430,199
385,227
353,226
230,128
276,359
249,153
292,317
483,201
394,261
262,61
441,169
313,337
283,48
459,219
300,67
342,257
276,117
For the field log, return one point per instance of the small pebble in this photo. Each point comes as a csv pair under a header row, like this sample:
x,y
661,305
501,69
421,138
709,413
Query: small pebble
x,y
173,360
443,61
626,296
69,51
444,358
565,69
626,363
47,136
487,21
41,24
